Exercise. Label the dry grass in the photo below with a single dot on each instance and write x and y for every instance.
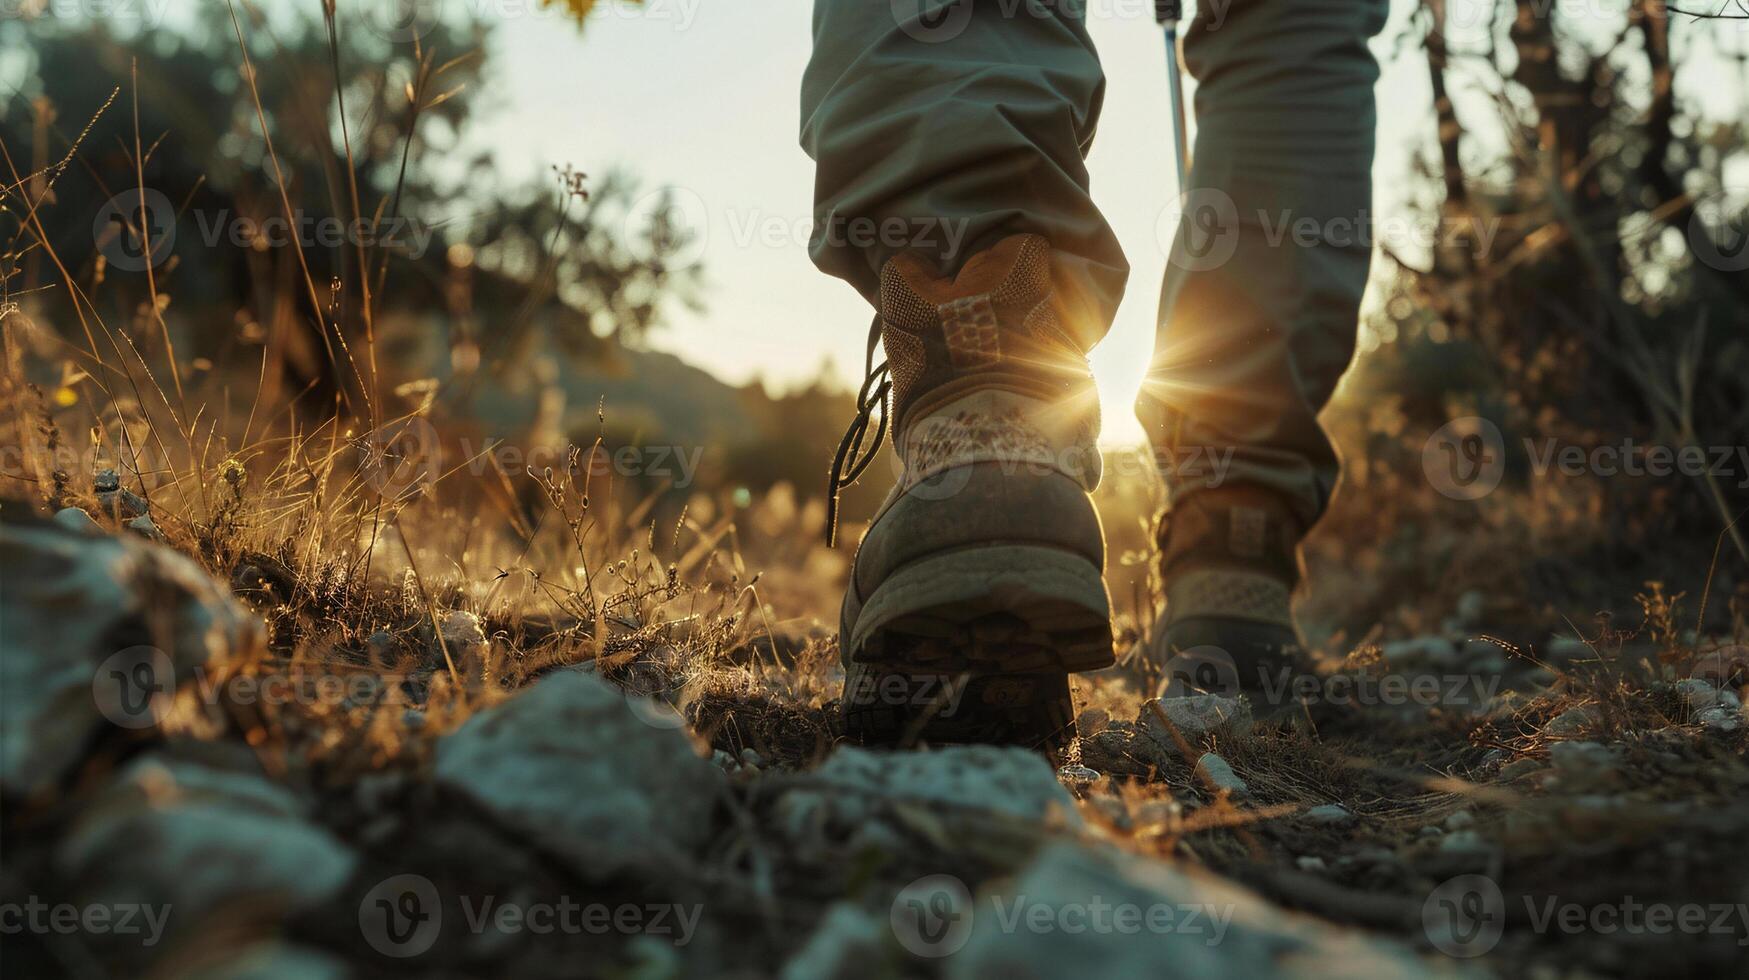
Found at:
(727, 611)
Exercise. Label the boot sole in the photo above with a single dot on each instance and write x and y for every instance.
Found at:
(1034, 711)
(1002, 625)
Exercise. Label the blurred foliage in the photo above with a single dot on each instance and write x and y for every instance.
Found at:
(1606, 298)
(346, 118)
(1587, 287)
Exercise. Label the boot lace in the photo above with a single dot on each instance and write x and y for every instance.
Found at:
(852, 457)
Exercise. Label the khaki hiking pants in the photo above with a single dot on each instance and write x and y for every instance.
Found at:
(946, 125)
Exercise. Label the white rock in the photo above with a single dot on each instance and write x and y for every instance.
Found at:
(1217, 772)
(1464, 842)
(1078, 778)
(1722, 718)
(143, 526)
(1701, 695)
(1330, 815)
(75, 519)
(572, 764)
(464, 636)
(98, 632)
(202, 841)
(1234, 933)
(1196, 717)
(962, 780)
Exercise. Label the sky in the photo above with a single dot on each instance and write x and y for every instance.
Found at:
(703, 97)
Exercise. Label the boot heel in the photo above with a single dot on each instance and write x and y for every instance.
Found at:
(988, 609)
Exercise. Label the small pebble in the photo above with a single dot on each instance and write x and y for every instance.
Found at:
(1196, 717)
(1216, 771)
(1581, 757)
(1519, 767)
(143, 526)
(1078, 776)
(1721, 719)
(1330, 814)
(1471, 607)
(1573, 721)
(1464, 842)
(77, 519)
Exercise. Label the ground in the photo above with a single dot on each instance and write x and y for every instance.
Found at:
(347, 748)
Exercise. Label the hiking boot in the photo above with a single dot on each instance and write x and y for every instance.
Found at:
(1228, 570)
(978, 587)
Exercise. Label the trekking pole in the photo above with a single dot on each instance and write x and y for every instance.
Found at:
(1168, 13)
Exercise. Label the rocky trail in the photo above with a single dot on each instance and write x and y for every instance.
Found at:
(189, 794)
